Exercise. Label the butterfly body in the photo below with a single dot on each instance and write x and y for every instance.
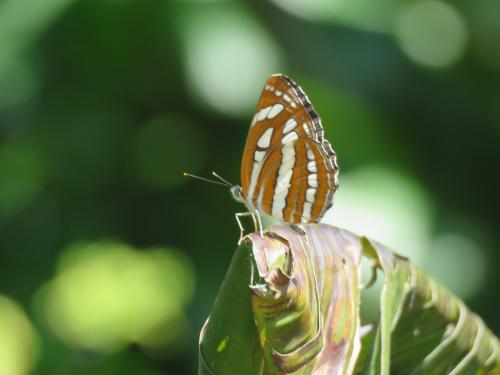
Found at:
(289, 170)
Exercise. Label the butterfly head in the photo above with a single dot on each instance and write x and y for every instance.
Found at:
(237, 193)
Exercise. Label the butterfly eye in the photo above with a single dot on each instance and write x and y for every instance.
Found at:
(237, 193)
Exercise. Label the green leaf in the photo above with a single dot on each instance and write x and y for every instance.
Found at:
(425, 329)
(228, 340)
(290, 303)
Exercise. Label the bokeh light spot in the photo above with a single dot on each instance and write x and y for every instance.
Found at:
(19, 345)
(108, 294)
(452, 257)
(385, 206)
(164, 148)
(228, 58)
(308, 9)
(431, 33)
(361, 14)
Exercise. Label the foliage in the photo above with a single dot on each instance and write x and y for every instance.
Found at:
(291, 303)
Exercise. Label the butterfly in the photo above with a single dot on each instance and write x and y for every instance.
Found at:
(289, 170)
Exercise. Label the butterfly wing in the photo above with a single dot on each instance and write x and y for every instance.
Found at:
(289, 171)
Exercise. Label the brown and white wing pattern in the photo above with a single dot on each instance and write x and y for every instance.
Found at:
(289, 170)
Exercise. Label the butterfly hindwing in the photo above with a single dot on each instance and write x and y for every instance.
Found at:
(299, 189)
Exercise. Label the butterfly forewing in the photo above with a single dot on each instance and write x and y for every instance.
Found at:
(289, 170)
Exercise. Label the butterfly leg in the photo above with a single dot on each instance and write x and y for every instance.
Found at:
(238, 216)
(258, 223)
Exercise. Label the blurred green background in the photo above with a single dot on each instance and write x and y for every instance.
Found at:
(110, 259)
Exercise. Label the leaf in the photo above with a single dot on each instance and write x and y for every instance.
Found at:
(290, 303)
(308, 320)
(425, 329)
(228, 340)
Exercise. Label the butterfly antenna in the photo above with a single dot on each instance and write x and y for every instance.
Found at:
(203, 179)
(222, 179)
